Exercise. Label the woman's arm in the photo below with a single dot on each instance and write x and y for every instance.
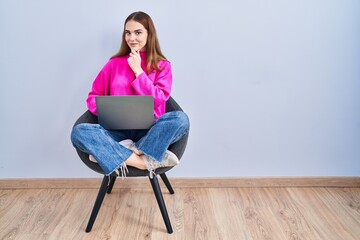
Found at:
(160, 88)
(100, 87)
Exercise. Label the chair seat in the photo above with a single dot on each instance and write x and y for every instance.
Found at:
(177, 148)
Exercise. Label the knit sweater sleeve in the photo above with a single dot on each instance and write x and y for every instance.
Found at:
(100, 87)
(159, 88)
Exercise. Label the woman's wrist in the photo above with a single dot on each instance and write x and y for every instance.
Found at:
(137, 73)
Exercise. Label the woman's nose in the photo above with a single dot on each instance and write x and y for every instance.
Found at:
(132, 37)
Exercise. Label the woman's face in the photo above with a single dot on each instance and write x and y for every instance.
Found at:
(135, 35)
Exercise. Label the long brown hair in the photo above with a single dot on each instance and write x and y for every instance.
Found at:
(153, 51)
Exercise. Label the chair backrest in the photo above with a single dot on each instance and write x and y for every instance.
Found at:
(172, 105)
(177, 148)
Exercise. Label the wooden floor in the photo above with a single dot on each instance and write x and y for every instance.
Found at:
(196, 213)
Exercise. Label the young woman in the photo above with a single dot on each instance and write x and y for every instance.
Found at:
(139, 68)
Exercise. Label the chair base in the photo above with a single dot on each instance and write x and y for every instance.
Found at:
(98, 202)
(159, 197)
(107, 186)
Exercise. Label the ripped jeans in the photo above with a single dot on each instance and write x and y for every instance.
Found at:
(104, 144)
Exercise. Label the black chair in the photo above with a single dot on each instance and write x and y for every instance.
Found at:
(108, 182)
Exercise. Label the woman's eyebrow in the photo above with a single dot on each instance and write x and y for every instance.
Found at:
(136, 30)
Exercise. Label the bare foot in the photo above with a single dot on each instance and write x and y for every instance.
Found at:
(135, 150)
(136, 161)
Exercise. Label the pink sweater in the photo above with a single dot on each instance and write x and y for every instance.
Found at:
(117, 78)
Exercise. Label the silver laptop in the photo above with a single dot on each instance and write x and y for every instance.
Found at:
(125, 112)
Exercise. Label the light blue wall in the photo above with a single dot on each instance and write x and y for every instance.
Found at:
(272, 88)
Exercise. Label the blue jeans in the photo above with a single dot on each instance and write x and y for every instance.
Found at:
(110, 155)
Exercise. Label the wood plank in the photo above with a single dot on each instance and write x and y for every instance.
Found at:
(345, 206)
(320, 216)
(94, 183)
(260, 221)
(199, 215)
(228, 214)
(288, 214)
(195, 213)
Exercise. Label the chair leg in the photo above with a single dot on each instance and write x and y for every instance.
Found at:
(111, 184)
(159, 197)
(98, 202)
(167, 183)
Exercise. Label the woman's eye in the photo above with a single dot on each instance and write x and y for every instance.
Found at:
(137, 33)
